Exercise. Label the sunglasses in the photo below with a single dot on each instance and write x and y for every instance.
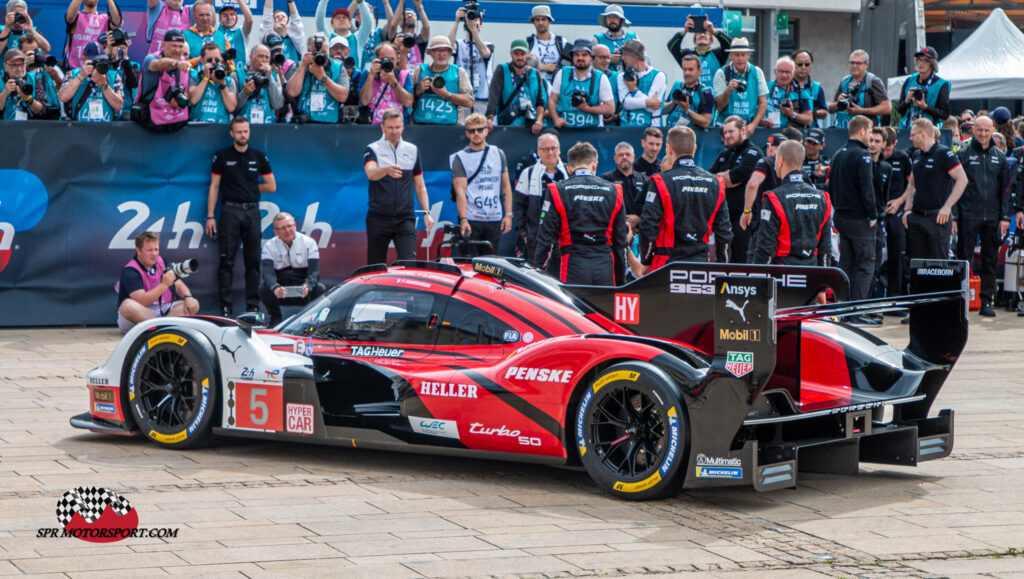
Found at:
(476, 130)
(803, 64)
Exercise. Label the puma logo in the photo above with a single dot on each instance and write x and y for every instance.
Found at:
(230, 351)
(729, 304)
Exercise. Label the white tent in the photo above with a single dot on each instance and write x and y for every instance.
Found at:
(987, 65)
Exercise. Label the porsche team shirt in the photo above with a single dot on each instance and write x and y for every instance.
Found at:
(392, 198)
(240, 173)
(932, 182)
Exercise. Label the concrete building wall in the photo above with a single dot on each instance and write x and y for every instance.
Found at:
(827, 36)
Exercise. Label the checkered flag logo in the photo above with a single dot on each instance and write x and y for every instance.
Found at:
(90, 502)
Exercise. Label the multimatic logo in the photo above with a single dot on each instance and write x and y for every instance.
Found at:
(718, 467)
(97, 515)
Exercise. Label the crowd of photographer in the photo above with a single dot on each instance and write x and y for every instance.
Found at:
(356, 66)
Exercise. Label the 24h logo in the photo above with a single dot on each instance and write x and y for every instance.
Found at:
(739, 364)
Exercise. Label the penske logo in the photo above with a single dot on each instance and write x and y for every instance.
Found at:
(538, 374)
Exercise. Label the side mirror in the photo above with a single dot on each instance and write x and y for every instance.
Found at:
(249, 320)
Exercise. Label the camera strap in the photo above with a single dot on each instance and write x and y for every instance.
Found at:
(81, 102)
(516, 87)
(483, 160)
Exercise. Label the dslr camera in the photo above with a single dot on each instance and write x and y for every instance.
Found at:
(40, 58)
(917, 94)
(579, 98)
(277, 55)
(320, 58)
(408, 40)
(101, 66)
(259, 80)
(741, 85)
(680, 95)
(472, 10)
(629, 75)
(118, 37)
(176, 94)
(19, 18)
(846, 99)
(388, 65)
(184, 268)
(349, 62)
(437, 82)
(218, 71)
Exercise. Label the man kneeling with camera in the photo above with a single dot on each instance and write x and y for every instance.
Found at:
(148, 289)
(289, 268)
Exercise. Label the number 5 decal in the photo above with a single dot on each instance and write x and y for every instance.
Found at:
(260, 406)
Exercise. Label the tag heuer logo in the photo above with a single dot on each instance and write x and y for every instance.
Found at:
(739, 364)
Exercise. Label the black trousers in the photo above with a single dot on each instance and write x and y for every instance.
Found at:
(896, 242)
(381, 232)
(857, 254)
(740, 241)
(489, 231)
(273, 304)
(588, 268)
(968, 231)
(926, 239)
(236, 226)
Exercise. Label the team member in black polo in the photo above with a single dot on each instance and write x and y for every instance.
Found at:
(633, 182)
(851, 187)
(237, 171)
(895, 232)
(734, 166)
(936, 184)
(584, 216)
(393, 168)
(796, 226)
(982, 211)
(816, 162)
(683, 206)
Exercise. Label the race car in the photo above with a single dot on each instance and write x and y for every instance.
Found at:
(695, 375)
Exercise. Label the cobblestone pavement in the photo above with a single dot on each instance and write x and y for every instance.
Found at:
(257, 508)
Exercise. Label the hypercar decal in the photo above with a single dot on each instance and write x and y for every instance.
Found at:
(518, 403)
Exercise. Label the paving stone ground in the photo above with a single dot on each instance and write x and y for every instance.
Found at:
(275, 509)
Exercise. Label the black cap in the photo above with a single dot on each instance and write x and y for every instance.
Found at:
(776, 139)
(174, 35)
(816, 136)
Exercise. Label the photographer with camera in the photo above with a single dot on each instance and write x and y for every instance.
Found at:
(689, 102)
(149, 289)
(18, 99)
(341, 27)
(84, 25)
(319, 83)
(46, 69)
(588, 93)
(551, 50)
(391, 87)
(860, 93)
(704, 34)
(18, 22)
(412, 42)
(641, 88)
(924, 94)
(237, 171)
(483, 193)
(212, 90)
(440, 87)
(91, 91)
(288, 26)
(163, 103)
(787, 103)
(614, 21)
(289, 268)
(203, 32)
(262, 95)
(128, 73)
(518, 93)
(472, 54)
(740, 88)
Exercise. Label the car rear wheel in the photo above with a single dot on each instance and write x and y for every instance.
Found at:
(631, 432)
(172, 388)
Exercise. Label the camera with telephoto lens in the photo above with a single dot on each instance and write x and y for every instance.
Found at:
(578, 98)
(184, 268)
(19, 18)
(101, 66)
(349, 62)
(472, 10)
(39, 58)
(277, 56)
(320, 58)
(917, 94)
(438, 82)
(24, 88)
(846, 99)
(218, 71)
(176, 94)
(680, 95)
(408, 40)
(388, 65)
(629, 75)
(259, 80)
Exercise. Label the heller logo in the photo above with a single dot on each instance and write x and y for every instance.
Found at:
(739, 364)
(627, 308)
(97, 515)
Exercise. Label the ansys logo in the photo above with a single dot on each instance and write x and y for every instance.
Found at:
(23, 202)
(97, 515)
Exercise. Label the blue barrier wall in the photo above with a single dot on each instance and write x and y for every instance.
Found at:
(74, 195)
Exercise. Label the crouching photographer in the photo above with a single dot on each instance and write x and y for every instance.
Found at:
(262, 94)
(289, 268)
(319, 83)
(163, 104)
(149, 289)
(22, 97)
(91, 91)
(391, 87)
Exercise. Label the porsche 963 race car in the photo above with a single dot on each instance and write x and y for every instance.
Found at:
(696, 375)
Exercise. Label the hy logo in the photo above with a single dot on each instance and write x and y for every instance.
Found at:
(23, 201)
